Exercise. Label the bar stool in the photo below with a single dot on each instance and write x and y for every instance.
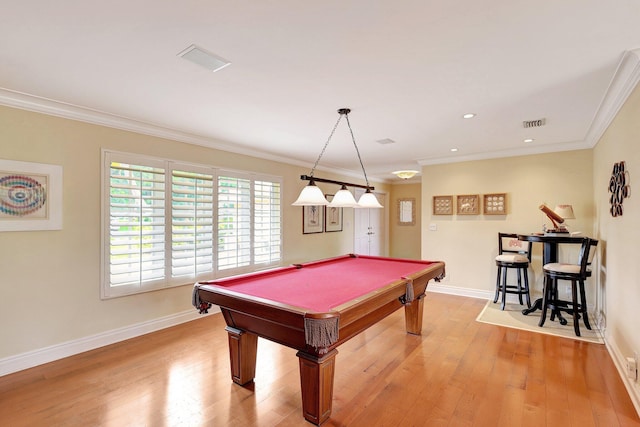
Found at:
(577, 274)
(516, 254)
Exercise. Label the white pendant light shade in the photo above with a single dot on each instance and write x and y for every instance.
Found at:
(343, 199)
(311, 195)
(368, 200)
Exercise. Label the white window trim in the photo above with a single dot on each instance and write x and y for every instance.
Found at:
(107, 291)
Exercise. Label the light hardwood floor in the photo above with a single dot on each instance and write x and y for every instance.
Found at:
(458, 373)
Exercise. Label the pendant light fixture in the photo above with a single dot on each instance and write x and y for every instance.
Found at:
(311, 195)
(405, 174)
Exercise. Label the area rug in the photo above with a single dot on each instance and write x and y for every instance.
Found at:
(512, 317)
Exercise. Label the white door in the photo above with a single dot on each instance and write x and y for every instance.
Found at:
(369, 230)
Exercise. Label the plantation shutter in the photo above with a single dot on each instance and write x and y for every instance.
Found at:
(191, 223)
(136, 223)
(234, 222)
(267, 222)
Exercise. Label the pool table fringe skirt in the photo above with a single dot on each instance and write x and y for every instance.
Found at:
(321, 333)
(409, 296)
(202, 306)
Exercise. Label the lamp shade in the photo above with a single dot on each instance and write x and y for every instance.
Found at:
(368, 200)
(565, 211)
(311, 195)
(343, 199)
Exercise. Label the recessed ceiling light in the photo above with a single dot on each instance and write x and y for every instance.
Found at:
(453, 150)
(528, 140)
(386, 141)
(469, 116)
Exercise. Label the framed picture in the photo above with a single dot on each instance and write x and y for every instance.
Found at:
(468, 204)
(312, 219)
(30, 196)
(443, 205)
(495, 204)
(407, 211)
(332, 217)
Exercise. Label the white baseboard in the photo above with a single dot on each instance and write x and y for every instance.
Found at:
(455, 290)
(59, 351)
(619, 359)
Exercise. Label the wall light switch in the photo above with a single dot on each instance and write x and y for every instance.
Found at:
(433, 227)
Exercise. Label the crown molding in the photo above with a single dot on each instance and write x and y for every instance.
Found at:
(51, 107)
(624, 81)
(515, 152)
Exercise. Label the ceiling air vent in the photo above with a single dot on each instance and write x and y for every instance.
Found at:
(533, 123)
(203, 58)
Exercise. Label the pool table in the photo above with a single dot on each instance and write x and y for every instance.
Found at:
(314, 307)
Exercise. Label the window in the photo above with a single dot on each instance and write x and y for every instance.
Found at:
(169, 224)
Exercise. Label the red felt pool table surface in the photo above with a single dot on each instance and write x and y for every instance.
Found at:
(315, 307)
(323, 285)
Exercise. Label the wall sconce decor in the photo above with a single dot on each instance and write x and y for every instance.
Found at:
(619, 187)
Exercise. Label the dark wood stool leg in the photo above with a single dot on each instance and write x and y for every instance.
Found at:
(575, 307)
(526, 287)
(495, 298)
(583, 306)
(545, 300)
(519, 285)
(553, 297)
(504, 287)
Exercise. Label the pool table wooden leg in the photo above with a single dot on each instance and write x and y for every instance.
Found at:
(243, 348)
(413, 315)
(316, 381)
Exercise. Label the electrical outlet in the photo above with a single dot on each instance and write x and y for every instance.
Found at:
(632, 367)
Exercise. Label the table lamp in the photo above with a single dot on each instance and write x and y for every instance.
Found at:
(566, 212)
(556, 220)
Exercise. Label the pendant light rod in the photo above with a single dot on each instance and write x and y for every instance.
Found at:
(331, 181)
(345, 112)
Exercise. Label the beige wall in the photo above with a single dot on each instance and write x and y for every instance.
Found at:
(49, 280)
(469, 243)
(620, 274)
(404, 239)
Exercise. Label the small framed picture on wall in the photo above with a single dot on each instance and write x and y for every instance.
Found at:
(332, 217)
(312, 219)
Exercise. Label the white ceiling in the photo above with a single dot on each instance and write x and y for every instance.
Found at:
(408, 69)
